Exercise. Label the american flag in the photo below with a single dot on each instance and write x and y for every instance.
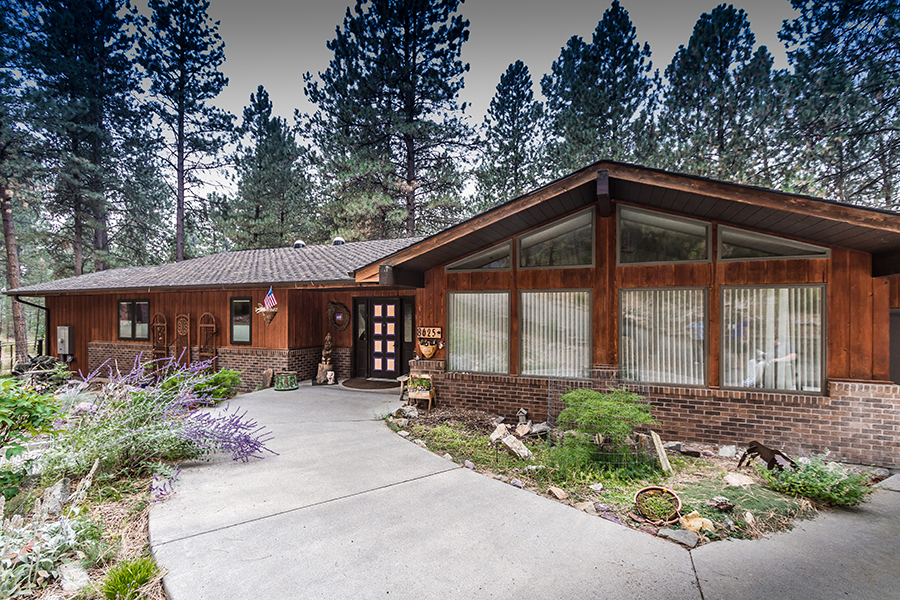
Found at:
(270, 300)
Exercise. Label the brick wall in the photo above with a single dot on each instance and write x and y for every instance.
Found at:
(855, 422)
(116, 356)
(342, 360)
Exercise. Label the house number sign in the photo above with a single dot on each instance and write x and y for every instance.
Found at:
(428, 333)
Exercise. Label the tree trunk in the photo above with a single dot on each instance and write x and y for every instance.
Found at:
(179, 208)
(411, 186)
(12, 272)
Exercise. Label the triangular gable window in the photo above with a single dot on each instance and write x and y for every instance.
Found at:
(495, 258)
(739, 244)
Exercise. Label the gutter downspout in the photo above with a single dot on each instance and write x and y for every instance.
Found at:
(46, 322)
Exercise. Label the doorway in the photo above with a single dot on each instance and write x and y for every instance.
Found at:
(383, 339)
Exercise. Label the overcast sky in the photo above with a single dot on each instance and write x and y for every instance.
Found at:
(274, 42)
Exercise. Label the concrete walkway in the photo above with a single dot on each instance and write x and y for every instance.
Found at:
(349, 509)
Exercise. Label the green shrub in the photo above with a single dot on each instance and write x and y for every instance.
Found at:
(222, 385)
(821, 481)
(614, 415)
(23, 414)
(125, 579)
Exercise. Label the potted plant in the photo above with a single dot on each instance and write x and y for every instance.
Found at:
(657, 504)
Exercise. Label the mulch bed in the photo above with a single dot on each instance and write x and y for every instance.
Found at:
(473, 419)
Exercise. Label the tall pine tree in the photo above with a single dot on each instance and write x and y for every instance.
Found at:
(844, 96)
(389, 130)
(509, 157)
(719, 100)
(595, 92)
(270, 208)
(182, 53)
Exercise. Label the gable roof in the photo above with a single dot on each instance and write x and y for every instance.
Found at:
(274, 266)
(827, 222)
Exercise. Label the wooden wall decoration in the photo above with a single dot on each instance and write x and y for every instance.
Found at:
(159, 336)
(338, 315)
(206, 337)
(183, 339)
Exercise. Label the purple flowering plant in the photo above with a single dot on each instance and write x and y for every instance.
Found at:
(156, 412)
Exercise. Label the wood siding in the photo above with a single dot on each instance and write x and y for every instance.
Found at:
(856, 306)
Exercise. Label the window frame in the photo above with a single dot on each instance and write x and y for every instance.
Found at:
(619, 221)
(509, 324)
(231, 302)
(823, 389)
(726, 228)
(590, 328)
(593, 212)
(706, 335)
(133, 303)
(451, 267)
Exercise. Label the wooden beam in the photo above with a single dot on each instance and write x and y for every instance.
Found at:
(759, 197)
(395, 276)
(885, 264)
(603, 200)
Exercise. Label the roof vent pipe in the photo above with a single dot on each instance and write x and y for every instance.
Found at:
(338, 241)
(299, 244)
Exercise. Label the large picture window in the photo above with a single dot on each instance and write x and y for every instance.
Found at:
(478, 339)
(663, 335)
(568, 242)
(555, 328)
(134, 319)
(241, 321)
(773, 338)
(651, 237)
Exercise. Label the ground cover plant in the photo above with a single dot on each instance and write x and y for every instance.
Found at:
(119, 439)
(568, 462)
(821, 481)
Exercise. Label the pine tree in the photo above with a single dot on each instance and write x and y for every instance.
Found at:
(719, 100)
(509, 157)
(388, 128)
(14, 162)
(844, 112)
(269, 210)
(596, 91)
(182, 53)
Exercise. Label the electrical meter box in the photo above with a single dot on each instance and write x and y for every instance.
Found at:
(65, 339)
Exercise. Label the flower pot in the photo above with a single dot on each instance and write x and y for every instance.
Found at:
(651, 501)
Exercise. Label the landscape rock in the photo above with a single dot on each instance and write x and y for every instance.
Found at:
(531, 468)
(523, 429)
(73, 577)
(612, 518)
(707, 453)
(728, 451)
(694, 522)
(517, 483)
(500, 432)
(403, 433)
(469, 465)
(420, 443)
(602, 508)
(401, 422)
(660, 452)
(720, 503)
(516, 447)
(56, 496)
(690, 451)
(83, 408)
(448, 457)
(673, 446)
(540, 428)
(409, 412)
(748, 518)
(648, 529)
(738, 479)
(682, 536)
(597, 487)
(558, 493)
(587, 507)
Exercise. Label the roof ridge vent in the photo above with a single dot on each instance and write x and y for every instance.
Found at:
(299, 244)
(338, 241)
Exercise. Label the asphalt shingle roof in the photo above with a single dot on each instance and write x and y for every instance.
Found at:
(273, 266)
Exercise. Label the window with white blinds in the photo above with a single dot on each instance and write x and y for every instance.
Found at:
(478, 339)
(772, 338)
(663, 335)
(555, 328)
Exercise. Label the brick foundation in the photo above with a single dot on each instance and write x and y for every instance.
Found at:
(856, 422)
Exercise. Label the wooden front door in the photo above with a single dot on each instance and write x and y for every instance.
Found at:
(385, 338)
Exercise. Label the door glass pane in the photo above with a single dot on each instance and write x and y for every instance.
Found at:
(361, 322)
(408, 323)
(390, 329)
(390, 310)
(376, 346)
(390, 347)
(390, 364)
(376, 310)
(376, 364)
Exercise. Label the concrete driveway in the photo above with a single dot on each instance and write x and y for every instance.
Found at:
(348, 509)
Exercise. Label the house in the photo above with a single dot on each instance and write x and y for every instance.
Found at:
(740, 312)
